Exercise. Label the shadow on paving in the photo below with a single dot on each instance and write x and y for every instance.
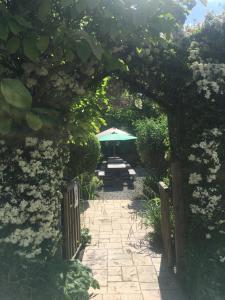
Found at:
(168, 283)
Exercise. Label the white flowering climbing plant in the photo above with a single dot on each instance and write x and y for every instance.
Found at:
(31, 181)
(206, 192)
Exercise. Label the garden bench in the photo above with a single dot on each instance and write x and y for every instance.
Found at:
(101, 173)
(132, 173)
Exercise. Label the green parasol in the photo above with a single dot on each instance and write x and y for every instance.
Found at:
(114, 134)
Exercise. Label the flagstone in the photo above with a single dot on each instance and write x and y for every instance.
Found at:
(115, 278)
(114, 271)
(101, 277)
(120, 257)
(129, 273)
(132, 297)
(147, 274)
(123, 287)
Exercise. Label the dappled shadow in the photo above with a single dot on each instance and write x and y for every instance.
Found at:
(113, 187)
(151, 245)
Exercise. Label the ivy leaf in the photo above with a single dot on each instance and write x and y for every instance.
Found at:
(5, 125)
(4, 30)
(30, 50)
(83, 51)
(15, 93)
(14, 27)
(42, 43)
(44, 10)
(13, 44)
(34, 121)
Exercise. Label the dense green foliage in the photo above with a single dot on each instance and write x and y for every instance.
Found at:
(126, 110)
(152, 217)
(89, 186)
(41, 280)
(84, 157)
(54, 51)
(152, 209)
(54, 55)
(151, 143)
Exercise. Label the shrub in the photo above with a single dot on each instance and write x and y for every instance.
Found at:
(153, 215)
(89, 185)
(150, 187)
(84, 157)
(152, 207)
(151, 137)
(85, 237)
(41, 280)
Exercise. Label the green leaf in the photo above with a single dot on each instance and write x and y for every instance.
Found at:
(44, 10)
(5, 125)
(14, 27)
(42, 43)
(69, 55)
(34, 121)
(15, 93)
(22, 21)
(30, 50)
(83, 51)
(13, 44)
(4, 30)
(95, 46)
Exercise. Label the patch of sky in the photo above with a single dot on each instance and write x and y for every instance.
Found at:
(200, 11)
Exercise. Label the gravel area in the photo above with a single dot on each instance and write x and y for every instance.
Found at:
(124, 192)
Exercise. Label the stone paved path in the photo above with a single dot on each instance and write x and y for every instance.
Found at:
(119, 255)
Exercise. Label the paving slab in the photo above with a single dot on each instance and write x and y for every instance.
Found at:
(120, 257)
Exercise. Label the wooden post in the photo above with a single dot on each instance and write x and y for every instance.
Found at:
(71, 221)
(165, 223)
(179, 210)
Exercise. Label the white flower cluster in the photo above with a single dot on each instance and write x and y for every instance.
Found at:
(206, 193)
(209, 77)
(62, 82)
(30, 188)
(32, 72)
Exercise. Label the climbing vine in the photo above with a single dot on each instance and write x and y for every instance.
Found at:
(31, 193)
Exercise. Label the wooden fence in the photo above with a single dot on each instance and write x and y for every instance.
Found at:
(71, 221)
(165, 223)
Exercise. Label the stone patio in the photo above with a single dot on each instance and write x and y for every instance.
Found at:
(120, 257)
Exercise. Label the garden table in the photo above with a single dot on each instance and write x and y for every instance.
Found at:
(116, 166)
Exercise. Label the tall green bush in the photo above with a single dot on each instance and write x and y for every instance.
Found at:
(151, 137)
(84, 157)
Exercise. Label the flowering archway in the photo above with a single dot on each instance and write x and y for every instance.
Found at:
(54, 56)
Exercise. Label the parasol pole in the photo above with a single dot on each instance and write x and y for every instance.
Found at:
(114, 149)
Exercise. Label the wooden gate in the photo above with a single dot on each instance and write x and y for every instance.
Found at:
(71, 220)
(179, 208)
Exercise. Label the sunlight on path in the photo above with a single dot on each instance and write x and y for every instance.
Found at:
(119, 256)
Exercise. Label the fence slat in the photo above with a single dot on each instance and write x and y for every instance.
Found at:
(71, 220)
(165, 223)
